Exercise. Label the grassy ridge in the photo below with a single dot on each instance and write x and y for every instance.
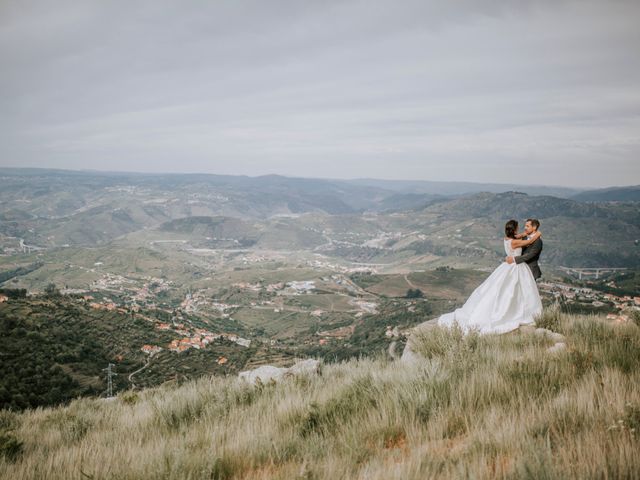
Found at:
(475, 407)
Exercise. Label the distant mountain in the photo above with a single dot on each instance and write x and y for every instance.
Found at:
(460, 188)
(409, 201)
(614, 194)
(360, 220)
(575, 233)
(516, 205)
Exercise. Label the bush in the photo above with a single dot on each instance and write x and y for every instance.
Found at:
(450, 343)
(414, 293)
(129, 397)
(10, 446)
(550, 318)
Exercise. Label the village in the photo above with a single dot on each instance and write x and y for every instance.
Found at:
(139, 296)
(572, 294)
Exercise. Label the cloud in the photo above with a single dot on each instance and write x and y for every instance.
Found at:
(476, 91)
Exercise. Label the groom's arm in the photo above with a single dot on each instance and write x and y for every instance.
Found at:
(534, 249)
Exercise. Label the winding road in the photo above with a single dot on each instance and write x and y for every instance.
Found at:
(133, 385)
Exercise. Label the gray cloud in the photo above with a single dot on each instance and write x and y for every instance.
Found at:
(528, 92)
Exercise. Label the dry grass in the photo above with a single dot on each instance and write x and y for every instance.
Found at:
(476, 407)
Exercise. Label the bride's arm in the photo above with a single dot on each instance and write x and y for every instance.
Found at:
(524, 243)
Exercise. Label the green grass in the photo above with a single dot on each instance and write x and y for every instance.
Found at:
(452, 284)
(474, 407)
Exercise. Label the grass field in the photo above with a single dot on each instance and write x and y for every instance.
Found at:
(473, 407)
(449, 284)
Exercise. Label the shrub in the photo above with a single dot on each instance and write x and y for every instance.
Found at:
(355, 397)
(550, 318)
(632, 417)
(450, 345)
(8, 420)
(417, 293)
(10, 446)
(129, 397)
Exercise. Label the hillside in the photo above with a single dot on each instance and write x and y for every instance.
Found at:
(615, 194)
(55, 348)
(575, 233)
(460, 188)
(373, 222)
(473, 407)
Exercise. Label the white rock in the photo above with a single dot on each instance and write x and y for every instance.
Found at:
(541, 332)
(555, 336)
(308, 366)
(527, 328)
(557, 347)
(408, 355)
(266, 373)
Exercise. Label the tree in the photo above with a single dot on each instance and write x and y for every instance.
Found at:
(417, 293)
(51, 289)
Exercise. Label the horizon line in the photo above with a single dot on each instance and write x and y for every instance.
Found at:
(399, 180)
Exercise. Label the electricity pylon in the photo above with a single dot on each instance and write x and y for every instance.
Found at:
(110, 374)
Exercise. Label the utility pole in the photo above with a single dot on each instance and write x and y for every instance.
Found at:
(110, 374)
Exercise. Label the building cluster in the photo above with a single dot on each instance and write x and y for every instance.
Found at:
(579, 294)
(136, 295)
(253, 258)
(298, 287)
(325, 265)
(151, 349)
(364, 306)
(200, 338)
(194, 302)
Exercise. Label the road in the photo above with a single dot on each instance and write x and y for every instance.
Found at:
(133, 385)
(409, 282)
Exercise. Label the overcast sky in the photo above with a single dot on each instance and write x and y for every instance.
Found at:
(528, 92)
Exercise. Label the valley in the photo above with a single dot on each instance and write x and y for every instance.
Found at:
(215, 275)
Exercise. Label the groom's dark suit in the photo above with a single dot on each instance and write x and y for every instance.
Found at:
(531, 254)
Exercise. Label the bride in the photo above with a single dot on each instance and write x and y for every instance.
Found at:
(507, 299)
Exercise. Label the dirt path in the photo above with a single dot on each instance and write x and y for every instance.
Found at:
(409, 282)
(133, 385)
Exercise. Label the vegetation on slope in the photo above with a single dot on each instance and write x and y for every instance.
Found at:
(54, 349)
(475, 407)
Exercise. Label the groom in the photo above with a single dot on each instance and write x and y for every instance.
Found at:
(530, 253)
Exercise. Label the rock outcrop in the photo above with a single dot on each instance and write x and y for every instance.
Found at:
(408, 354)
(266, 373)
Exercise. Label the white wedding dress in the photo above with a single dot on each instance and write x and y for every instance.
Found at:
(507, 299)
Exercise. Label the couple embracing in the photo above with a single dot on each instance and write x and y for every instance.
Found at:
(509, 297)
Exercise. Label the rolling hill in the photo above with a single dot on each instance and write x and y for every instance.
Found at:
(470, 407)
(615, 194)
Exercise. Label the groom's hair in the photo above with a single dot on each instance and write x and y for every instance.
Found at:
(535, 222)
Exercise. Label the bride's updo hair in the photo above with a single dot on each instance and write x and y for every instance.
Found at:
(510, 229)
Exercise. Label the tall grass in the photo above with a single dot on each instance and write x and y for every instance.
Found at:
(475, 407)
